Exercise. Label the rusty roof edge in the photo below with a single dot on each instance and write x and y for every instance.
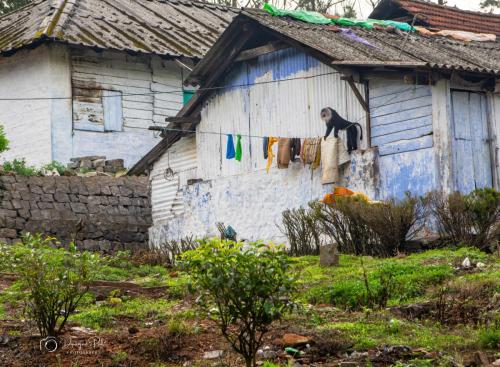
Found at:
(448, 8)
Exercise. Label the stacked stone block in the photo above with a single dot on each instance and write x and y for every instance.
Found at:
(97, 164)
(100, 213)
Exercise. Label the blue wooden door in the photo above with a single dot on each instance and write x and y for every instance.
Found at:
(471, 143)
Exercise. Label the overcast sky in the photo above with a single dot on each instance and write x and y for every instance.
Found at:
(363, 7)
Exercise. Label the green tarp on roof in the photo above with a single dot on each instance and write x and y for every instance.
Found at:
(318, 18)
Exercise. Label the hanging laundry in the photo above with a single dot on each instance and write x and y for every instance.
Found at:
(284, 148)
(265, 145)
(333, 155)
(311, 152)
(238, 148)
(270, 154)
(294, 149)
(230, 153)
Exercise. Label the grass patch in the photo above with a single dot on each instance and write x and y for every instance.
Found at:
(490, 338)
(410, 276)
(380, 329)
(104, 315)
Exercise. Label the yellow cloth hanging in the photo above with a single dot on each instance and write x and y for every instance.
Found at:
(270, 154)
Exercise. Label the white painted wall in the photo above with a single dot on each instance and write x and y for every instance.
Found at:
(27, 74)
(49, 129)
(242, 194)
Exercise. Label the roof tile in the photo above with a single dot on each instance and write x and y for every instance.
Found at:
(441, 16)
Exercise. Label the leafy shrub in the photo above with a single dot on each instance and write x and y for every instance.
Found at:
(4, 143)
(378, 229)
(19, 167)
(249, 285)
(471, 219)
(54, 279)
(55, 165)
(302, 232)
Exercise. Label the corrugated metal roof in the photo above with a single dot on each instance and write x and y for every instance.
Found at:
(438, 16)
(164, 27)
(393, 48)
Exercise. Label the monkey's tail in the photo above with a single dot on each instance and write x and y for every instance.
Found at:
(360, 130)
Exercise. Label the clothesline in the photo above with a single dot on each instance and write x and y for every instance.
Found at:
(221, 133)
(174, 91)
(265, 136)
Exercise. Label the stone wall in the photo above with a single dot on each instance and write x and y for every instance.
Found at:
(102, 213)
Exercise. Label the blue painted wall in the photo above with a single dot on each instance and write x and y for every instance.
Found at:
(401, 120)
(283, 64)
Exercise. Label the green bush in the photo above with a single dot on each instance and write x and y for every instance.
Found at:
(249, 285)
(19, 167)
(53, 279)
(55, 165)
(470, 219)
(4, 143)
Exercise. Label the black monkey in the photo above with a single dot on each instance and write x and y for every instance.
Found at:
(333, 120)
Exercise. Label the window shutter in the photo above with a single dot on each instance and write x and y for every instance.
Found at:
(113, 113)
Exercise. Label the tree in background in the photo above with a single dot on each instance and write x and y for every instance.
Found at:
(346, 7)
(7, 6)
(490, 5)
(4, 143)
(349, 11)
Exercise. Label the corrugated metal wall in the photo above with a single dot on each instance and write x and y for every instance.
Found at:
(166, 196)
(287, 108)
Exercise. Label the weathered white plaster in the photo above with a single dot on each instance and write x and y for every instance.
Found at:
(60, 108)
(43, 130)
(252, 203)
(27, 75)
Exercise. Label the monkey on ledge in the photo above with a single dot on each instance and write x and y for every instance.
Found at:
(333, 120)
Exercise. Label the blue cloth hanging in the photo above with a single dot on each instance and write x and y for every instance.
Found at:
(230, 152)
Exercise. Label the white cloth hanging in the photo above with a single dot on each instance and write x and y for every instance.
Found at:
(333, 155)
